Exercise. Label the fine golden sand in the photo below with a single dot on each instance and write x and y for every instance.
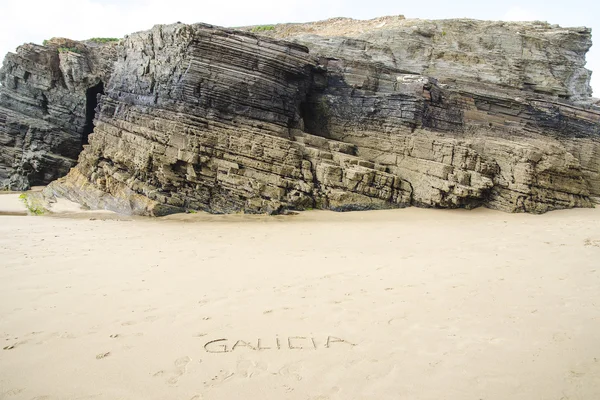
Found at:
(402, 304)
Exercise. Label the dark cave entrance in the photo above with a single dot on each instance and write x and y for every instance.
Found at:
(313, 112)
(91, 102)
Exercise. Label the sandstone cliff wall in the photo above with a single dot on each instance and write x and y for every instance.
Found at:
(342, 115)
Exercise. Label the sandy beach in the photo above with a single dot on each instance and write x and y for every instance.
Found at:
(401, 304)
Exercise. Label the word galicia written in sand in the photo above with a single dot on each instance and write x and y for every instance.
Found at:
(291, 342)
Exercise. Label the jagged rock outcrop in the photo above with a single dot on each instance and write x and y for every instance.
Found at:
(45, 108)
(344, 115)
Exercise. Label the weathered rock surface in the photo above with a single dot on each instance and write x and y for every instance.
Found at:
(43, 99)
(530, 56)
(342, 115)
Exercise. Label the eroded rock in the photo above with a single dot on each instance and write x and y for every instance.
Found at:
(341, 115)
(45, 100)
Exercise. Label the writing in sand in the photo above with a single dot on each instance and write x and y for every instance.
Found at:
(290, 342)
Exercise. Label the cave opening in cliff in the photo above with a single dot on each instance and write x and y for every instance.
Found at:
(91, 97)
(314, 115)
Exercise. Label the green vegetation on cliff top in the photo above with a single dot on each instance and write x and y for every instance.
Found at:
(103, 39)
(261, 28)
(95, 40)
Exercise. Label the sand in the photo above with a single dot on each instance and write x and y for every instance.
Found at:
(402, 304)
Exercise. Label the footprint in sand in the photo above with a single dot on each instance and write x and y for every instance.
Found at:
(288, 388)
(291, 370)
(67, 335)
(102, 355)
(12, 346)
(180, 369)
(12, 392)
(221, 377)
(248, 369)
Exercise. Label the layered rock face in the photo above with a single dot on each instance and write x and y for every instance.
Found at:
(45, 114)
(530, 56)
(508, 123)
(344, 115)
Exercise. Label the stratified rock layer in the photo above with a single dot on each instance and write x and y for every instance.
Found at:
(530, 56)
(344, 115)
(43, 99)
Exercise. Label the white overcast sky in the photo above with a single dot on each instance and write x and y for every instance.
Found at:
(35, 20)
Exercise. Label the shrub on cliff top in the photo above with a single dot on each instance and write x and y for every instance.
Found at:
(103, 39)
(262, 28)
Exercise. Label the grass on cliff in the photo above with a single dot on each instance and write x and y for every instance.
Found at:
(103, 39)
(46, 42)
(30, 204)
(262, 28)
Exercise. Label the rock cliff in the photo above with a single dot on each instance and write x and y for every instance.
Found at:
(47, 99)
(340, 114)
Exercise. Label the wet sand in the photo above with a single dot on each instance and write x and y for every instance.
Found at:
(402, 304)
